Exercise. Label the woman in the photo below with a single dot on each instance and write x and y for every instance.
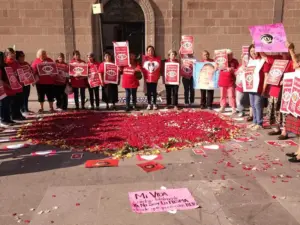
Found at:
(78, 83)
(256, 98)
(5, 103)
(60, 82)
(172, 90)
(151, 68)
(20, 56)
(130, 81)
(45, 83)
(207, 96)
(189, 91)
(227, 83)
(94, 92)
(109, 91)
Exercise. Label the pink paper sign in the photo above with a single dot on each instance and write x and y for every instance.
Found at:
(162, 200)
(269, 37)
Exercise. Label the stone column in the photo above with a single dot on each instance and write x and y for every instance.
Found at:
(278, 11)
(176, 23)
(68, 27)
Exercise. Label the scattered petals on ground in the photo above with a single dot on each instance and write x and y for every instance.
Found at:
(112, 131)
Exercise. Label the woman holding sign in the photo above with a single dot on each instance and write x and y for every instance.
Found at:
(44, 68)
(110, 76)
(94, 81)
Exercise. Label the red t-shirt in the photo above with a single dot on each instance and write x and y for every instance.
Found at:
(128, 78)
(14, 65)
(227, 78)
(45, 79)
(78, 82)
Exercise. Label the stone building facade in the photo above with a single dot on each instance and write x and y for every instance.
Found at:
(65, 25)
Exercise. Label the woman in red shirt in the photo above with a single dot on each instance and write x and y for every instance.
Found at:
(94, 92)
(78, 82)
(45, 84)
(60, 82)
(17, 100)
(207, 96)
(109, 91)
(130, 81)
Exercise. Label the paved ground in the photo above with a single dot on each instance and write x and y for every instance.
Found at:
(268, 194)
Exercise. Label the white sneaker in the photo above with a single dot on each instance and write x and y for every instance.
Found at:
(251, 125)
(149, 107)
(155, 107)
(257, 127)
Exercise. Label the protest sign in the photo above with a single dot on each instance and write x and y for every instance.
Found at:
(151, 68)
(111, 75)
(245, 55)
(186, 68)
(172, 73)
(287, 87)
(121, 53)
(221, 59)
(204, 74)
(47, 68)
(252, 78)
(78, 69)
(12, 78)
(187, 45)
(276, 71)
(294, 103)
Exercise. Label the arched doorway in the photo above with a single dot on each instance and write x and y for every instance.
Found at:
(123, 20)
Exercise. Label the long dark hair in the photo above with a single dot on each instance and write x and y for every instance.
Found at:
(249, 49)
(2, 67)
(19, 54)
(151, 46)
(8, 50)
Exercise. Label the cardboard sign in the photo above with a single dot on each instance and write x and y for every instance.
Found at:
(2, 91)
(269, 38)
(187, 45)
(161, 200)
(245, 55)
(221, 59)
(151, 68)
(94, 78)
(78, 69)
(287, 87)
(294, 104)
(62, 75)
(205, 75)
(186, 68)
(172, 73)
(252, 78)
(101, 163)
(240, 76)
(47, 69)
(151, 166)
(121, 53)
(111, 73)
(25, 75)
(12, 78)
(277, 71)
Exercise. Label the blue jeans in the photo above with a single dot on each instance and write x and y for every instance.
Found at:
(256, 105)
(130, 92)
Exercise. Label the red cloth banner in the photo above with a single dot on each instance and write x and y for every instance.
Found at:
(62, 75)
(78, 69)
(186, 69)
(294, 104)
(111, 75)
(47, 68)
(187, 45)
(26, 76)
(221, 59)
(94, 78)
(2, 91)
(287, 87)
(151, 68)
(276, 71)
(172, 73)
(249, 77)
(13, 81)
(121, 53)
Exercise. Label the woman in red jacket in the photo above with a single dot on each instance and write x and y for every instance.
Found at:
(45, 83)
(130, 81)
(93, 91)
(60, 82)
(78, 82)
(17, 100)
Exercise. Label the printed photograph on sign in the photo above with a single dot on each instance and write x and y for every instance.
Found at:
(186, 68)
(151, 68)
(172, 73)
(78, 69)
(221, 59)
(13, 81)
(276, 71)
(187, 45)
(269, 37)
(161, 200)
(121, 53)
(47, 68)
(205, 75)
(111, 73)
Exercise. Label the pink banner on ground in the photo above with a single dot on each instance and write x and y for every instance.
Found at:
(277, 71)
(187, 45)
(121, 53)
(269, 37)
(47, 68)
(172, 73)
(2, 91)
(94, 78)
(221, 59)
(288, 80)
(111, 75)
(161, 200)
(294, 104)
(78, 69)
(186, 69)
(13, 81)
